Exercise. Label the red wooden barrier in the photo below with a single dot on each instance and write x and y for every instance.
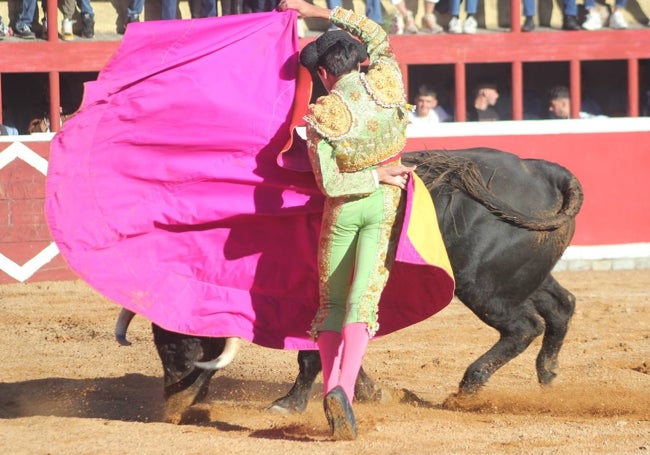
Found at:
(609, 156)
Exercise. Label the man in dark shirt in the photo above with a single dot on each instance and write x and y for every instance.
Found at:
(485, 97)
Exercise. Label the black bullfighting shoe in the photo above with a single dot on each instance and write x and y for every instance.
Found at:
(339, 415)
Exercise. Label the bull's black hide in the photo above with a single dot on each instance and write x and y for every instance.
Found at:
(505, 222)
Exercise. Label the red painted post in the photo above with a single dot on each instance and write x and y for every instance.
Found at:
(52, 21)
(515, 15)
(517, 91)
(55, 101)
(575, 87)
(460, 92)
(633, 87)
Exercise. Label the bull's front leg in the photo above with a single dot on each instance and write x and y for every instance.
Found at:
(184, 382)
(309, 366)
(296, 400)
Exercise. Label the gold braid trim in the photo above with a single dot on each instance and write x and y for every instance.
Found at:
(384, 84)
(330, 116)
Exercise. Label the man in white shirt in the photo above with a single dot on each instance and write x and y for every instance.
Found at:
(427, 110)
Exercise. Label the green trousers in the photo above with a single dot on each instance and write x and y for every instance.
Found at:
(357, 248)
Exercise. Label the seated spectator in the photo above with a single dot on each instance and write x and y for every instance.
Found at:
(485, 97)
(595, 22)
(427, 110)
(68, 9)
(559, 105)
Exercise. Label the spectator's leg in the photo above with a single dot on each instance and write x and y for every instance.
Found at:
(570, 12)
(236, 6)
(616, 19)
(169, 8)
(23, 27)
(87, 18)
(529, 13)
(208, 8)
(471, 6)
(529, 8)
(429, 21)
(373, 11)
(134, 10)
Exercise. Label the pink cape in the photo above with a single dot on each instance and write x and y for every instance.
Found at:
(165, 195)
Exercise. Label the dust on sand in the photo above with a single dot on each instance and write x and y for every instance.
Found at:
(67, 387)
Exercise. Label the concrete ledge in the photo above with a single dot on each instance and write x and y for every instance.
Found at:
(633, 256)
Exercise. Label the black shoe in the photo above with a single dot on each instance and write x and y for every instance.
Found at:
(129, 20)
(24, 32)
(87, 26)
(339, 415)
(529, 25)
(570, 23)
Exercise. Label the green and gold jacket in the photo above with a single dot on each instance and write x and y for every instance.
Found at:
(362, 121)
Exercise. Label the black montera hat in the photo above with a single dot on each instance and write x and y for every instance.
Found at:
(316, 49)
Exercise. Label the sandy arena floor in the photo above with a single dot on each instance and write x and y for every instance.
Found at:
(66, 387)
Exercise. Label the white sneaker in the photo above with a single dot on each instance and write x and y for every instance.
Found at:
(454, 26)
(617, 21)
(470, 25)
(66, 29)
(593, 21)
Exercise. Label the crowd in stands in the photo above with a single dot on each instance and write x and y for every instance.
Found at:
(403, 20)
(485, 105)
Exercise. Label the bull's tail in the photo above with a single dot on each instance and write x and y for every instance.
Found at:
(463, 174)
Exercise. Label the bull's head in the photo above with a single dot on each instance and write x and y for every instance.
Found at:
(227, 355)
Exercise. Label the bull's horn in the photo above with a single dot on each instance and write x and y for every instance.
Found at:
(227, 356)
(122, 325)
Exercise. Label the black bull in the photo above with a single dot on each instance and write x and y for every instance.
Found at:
(505, 222)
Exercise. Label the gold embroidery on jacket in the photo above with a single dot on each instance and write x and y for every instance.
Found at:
(330, 116)
(384, 84)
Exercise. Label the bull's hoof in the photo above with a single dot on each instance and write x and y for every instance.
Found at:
(365, 390)
(191, 416)
(454, 401)
(288, 405)
(177, 407)
(546, 377)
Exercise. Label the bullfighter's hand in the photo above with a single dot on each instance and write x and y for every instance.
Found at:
(394, 175)
(305, 9)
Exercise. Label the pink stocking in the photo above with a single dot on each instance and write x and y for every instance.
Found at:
(329, 345)
(355, 340)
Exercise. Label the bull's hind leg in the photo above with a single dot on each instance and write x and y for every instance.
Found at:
(555, 304)
(518, 325)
